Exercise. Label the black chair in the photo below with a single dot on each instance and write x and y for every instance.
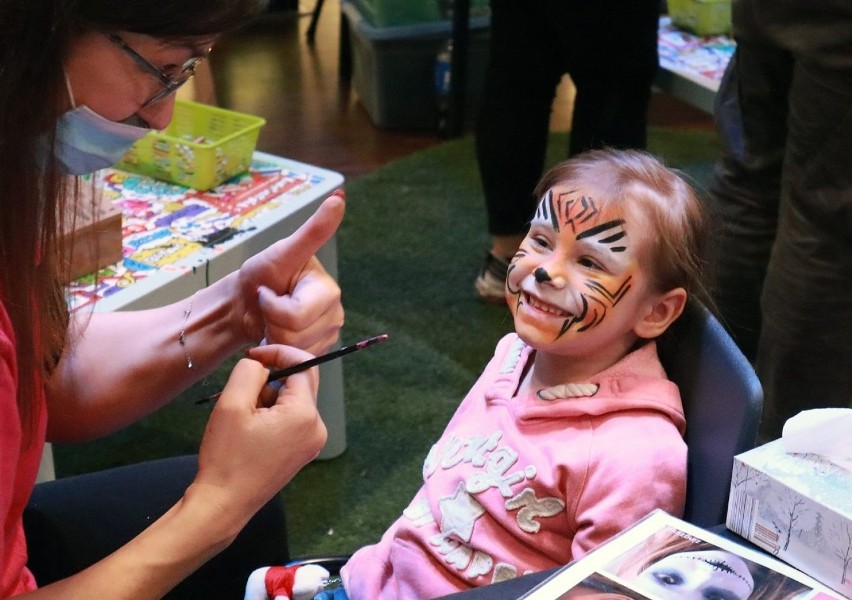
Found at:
(722, 400)
(73, 522)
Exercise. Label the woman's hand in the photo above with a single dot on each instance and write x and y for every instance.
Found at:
(256, 441)
(285, 295)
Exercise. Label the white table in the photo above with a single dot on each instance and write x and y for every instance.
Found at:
(170, 250)
(691, 66)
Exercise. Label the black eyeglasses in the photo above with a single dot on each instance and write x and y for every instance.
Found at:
(169, 81)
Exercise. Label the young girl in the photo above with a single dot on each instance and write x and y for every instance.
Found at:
(572, 432)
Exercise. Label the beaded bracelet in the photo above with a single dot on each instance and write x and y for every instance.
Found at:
(182, 332)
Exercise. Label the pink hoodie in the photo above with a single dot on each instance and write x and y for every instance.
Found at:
(517, 484)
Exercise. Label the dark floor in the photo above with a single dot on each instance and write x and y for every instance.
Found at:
(270, 70)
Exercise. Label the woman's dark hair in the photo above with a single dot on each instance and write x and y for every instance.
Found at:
(36, 200)
(167, 19)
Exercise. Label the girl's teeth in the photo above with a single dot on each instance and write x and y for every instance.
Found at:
(551, 310)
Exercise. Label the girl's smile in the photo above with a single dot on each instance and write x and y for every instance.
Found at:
(533, 303)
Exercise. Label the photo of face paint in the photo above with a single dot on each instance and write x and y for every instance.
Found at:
(671, 565)
(662, 557)
(700, 574)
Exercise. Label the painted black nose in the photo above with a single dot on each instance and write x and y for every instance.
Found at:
(541, 275)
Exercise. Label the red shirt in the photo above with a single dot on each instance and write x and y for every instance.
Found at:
(19, 462)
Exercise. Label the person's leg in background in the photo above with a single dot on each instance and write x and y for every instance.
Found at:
(805, 347)
(610, 50)
(751, 119)
(611, 54)
(512, 127)
(783, 190)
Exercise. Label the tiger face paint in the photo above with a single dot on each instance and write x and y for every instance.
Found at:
(576, 283)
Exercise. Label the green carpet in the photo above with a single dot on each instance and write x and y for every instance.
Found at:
(409, 249)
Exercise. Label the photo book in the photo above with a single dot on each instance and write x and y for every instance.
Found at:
(664, 558)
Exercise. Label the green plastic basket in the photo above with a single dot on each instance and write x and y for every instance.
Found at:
(703, 17)
(202, 147)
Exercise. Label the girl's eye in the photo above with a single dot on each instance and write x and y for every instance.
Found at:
(540, 242)
(590, 264)
(719, 594)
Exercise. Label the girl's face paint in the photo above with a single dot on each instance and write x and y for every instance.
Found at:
(575, 284)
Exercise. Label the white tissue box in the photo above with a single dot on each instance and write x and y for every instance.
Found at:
(798, 507)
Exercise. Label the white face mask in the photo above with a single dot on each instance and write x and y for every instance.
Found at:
(86, 141)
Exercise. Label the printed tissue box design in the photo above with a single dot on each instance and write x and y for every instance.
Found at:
(797, 507)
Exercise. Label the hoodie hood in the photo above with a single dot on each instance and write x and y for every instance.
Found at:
(635, 383)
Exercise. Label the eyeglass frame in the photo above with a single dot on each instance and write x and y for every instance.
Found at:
(169, 82)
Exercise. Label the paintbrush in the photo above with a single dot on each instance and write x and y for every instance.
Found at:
(304, 366)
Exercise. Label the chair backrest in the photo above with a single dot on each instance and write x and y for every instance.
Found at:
(722, 400)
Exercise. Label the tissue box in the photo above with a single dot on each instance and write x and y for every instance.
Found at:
(799, 508)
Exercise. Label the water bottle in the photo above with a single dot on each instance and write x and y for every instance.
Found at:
(443, 65)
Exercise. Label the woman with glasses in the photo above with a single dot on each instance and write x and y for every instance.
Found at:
(80, 81)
